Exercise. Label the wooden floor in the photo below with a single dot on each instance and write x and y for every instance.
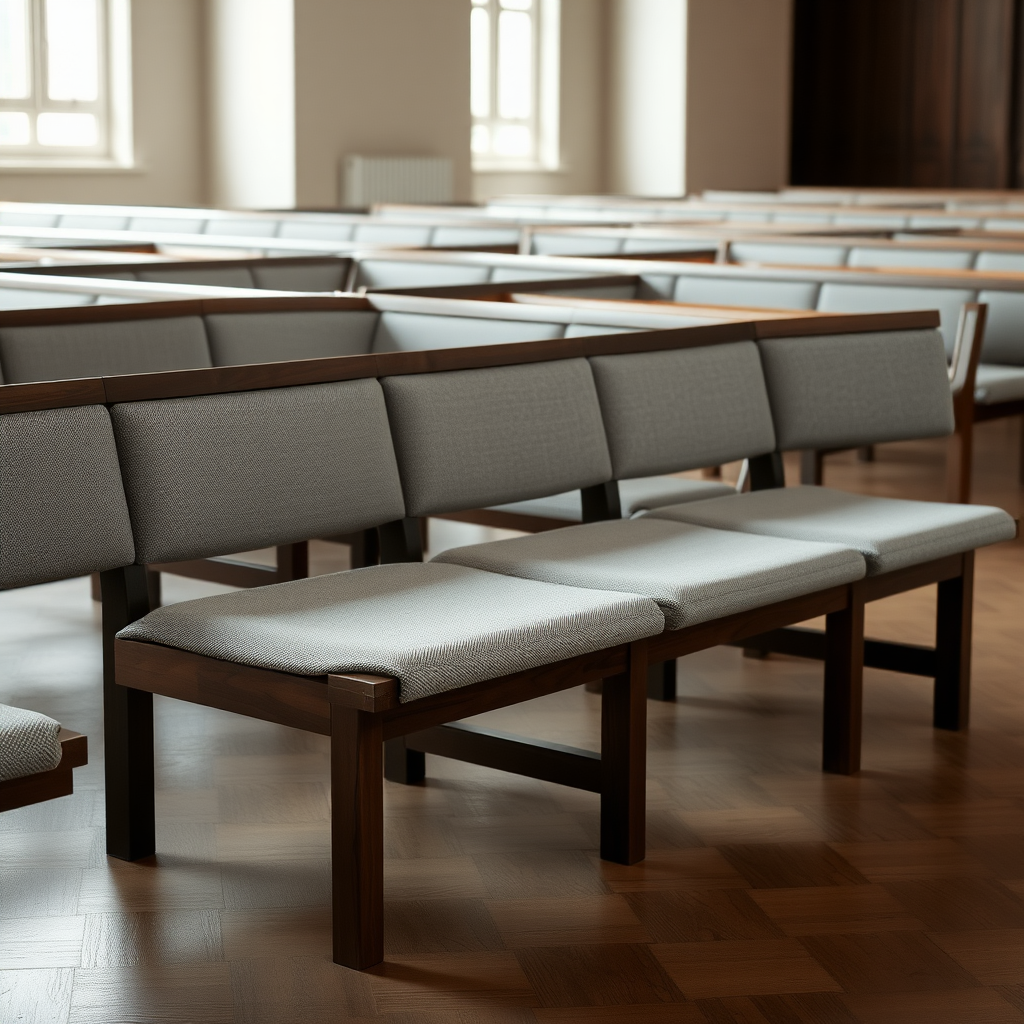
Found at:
(770, 894)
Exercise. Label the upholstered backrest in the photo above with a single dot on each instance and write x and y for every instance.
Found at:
(222, 473)
(38, 298)
(1011, 261)
(328, 276)
(559, 244)
(179, 225)
(879, 298)
(398, 274)
(64, 351)
(331, 231)
(893, 256)
(742, 291)
(1004, 327)
(669, 411)
(845, 390)
(69, 515)
(237, 338)
(401, 332)
(805, 255)
(471, 438)
(224, 277)
(451, 235)
(392, 234)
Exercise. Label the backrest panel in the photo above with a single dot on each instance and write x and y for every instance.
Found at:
(40, 298)
(404, 332)
(1004, 328)
(70, 516)
(396, 274)
(470, 438)
(224, 277)
(669, 411)
(893, 256)
(239, 338)
(64, 351)
(731, 291)
(842, 391)
(224, 473)
(1012, 261)
(805, 255)
(302, 277)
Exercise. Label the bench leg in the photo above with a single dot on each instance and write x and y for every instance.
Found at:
(357, 837)
(661, 681)
(812, 467)
(959, 460)
(402, 764)
(624, 762)
(953, 626)
(127, 726)
(844, 673)
(866, 454)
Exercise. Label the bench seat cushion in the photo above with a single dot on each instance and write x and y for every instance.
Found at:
(28, 743)
(694, 574)
(636, 496)
(995, 384)
(890, 533)
(434, 627)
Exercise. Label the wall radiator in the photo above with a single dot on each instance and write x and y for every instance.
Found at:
(366, 180)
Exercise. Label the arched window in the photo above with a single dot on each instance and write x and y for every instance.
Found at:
(514, 88)
(64, 82)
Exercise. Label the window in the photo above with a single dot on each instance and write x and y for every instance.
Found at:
(64, 81)
(514, 84)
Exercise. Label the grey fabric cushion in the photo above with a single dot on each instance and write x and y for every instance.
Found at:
(889, 532)
(847, 390)
(434, 627)
(392, 234)
(694, 574)
(332, 231)
(63, 512)
(224, 277)
(559, 244)
(996, 260)
(472, 438)
(449, 235)
(635, 496)
(301, 277)
(394, 273)
(667, 411)
(1004, 327)
(804, 255)
(28, 743)
(404, 332)
(877, 298)
(998, 384)
(238, 338)
(744, 291)
(894, 256)
(223, 473)
(64, 351)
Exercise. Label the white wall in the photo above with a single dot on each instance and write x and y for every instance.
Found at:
(251, 100)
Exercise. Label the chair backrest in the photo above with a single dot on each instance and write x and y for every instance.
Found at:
(67, 514)
(269, 337)
(842, 391)
(1004, 328)
(216, 474)
(403, 332)
(680, 409)
(472, 438)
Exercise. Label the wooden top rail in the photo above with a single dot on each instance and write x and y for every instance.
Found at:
(226, 379)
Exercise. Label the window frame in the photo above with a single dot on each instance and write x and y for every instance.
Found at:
(112, 106)
(543, 122)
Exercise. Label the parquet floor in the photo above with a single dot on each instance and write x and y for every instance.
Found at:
(771, 893)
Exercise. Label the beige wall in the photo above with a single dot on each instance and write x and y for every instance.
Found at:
(583, 117)
(377, 78)
(167, 77)
(738, 86)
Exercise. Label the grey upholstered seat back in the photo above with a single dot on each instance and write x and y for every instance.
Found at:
(38, 298)
(1011, 261)
(669, 411)
(741, 291)
(328, 276)
(237, 338)
(70, 516)
(224, 473)
(472, 438)
(398, 274)
(845, 390)
(804, 255)
(65, 351)
(1004, 327)
(222, 277)
(403, 332)
(894, 256)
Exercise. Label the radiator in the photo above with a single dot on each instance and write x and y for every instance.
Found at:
(366, 180)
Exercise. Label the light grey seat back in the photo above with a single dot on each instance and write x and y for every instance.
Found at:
(238, 338)
(879, 298)
(1004, 327)
(893, 256)
(397, 274)
(451, 235)
(331, 231)
(739, 291)
(1000, 261)
(328, 276)
(65, 351)
(224, 277)
(36, 298)
(404, 332)
(392, 234)
(69, 517)
(670, 411)
(559, 244)
(218, 474)
(472, 438)
(805, 255)
(847, 390)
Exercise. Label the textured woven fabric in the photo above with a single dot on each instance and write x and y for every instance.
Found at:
(64, 351)
(1004, 327)
(434, 627)
(224, 473)
(694, 574)
(682, 409)
(473, 438)
(998, 384)
(328, 276)
(28, 743)
(405, 332)
(62, 507)
(634, 496)
(238, 338)
(745, 291)
(841, 391)
(889, 532)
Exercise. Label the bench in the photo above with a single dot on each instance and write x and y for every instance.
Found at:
(37, 758)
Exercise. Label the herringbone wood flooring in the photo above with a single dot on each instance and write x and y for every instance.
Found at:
(771, 893)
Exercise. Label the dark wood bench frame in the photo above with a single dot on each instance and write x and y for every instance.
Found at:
(59, 781)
